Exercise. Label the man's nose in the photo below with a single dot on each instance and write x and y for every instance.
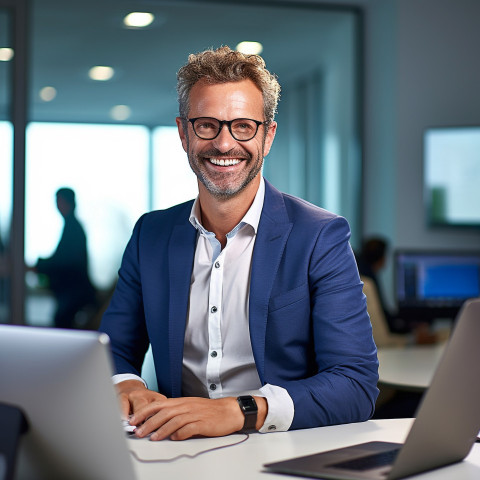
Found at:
(224, 141)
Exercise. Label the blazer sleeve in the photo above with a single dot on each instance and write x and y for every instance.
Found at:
(339, 384)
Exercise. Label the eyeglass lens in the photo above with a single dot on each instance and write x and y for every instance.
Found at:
(240, 128)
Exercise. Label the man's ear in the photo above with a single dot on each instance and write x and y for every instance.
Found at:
(272, 128)
(182, 133)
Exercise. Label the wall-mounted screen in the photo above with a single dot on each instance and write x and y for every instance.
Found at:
(432, 284)
(452, 176)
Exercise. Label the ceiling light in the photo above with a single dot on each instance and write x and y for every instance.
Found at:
(6, 54)
(47, 94)
(120, 112)
(138, 19)
(101, 73)
(250, 48)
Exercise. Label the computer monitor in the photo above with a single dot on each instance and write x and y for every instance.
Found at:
(434, 284)
(452, 175)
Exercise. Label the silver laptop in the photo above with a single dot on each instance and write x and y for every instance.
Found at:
(444, 431)
(61, 379)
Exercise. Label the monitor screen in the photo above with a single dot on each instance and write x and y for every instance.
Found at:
(452, 176)
(435, 284)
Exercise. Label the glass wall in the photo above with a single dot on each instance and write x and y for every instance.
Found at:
(173, 181)
(113, 140)
(108, 167)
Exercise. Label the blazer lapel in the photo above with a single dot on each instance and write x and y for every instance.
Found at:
(181, 251)
(273, 231)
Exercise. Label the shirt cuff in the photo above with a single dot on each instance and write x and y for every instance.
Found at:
(280, 409)
(121, 377)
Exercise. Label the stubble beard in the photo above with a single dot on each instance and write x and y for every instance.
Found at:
(224, 185)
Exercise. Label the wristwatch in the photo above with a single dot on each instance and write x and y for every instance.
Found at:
(249, 409)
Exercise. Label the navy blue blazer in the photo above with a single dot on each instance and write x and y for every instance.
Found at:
(309, 326)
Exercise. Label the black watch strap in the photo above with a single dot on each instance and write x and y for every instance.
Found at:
(249, 409)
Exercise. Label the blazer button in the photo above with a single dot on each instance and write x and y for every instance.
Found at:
(217, 264)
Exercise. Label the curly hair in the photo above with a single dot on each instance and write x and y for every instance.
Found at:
(226, 65)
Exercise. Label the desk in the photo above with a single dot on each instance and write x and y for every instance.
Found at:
(409, 368)
(245, 461)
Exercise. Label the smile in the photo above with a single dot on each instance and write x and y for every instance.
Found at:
(228, 162)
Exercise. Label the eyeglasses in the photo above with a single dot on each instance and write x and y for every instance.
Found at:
(241, 129)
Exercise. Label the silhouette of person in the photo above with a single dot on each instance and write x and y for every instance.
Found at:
(67, 268)
(371, 260)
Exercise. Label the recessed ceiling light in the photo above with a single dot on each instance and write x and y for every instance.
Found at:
(138, 19)
(120, 112)
(6, 54)
(250, 48)
(101, 73)
(47, 94)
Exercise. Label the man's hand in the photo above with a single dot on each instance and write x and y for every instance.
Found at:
(182, 418)
(134, 396)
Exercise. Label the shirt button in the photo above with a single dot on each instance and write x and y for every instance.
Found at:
(213, 354)
(213, 386)
(217, 264)
(213, 309)
(272, 427)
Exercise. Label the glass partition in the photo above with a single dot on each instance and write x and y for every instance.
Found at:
(6, 160)
(112, 138)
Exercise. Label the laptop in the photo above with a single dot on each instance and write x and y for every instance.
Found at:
(445, 429)
(61, 380)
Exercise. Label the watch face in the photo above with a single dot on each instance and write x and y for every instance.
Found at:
(248, 404)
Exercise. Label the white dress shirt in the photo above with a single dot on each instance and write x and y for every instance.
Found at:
(218, 358)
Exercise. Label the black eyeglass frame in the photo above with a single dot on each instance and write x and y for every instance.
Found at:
(228, 123)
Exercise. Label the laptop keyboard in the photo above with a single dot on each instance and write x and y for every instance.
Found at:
(368, 462)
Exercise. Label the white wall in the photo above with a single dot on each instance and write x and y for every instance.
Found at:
(422, 70)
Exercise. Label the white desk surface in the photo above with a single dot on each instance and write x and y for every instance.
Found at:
(409, 368)
(245, 461)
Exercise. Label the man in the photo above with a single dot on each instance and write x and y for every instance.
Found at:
(250, 298)
(67, 268)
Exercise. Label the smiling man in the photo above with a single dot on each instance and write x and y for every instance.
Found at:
(250, 298)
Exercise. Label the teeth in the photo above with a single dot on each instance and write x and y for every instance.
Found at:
(224, 163)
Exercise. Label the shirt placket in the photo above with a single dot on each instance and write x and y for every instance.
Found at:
(215, 352)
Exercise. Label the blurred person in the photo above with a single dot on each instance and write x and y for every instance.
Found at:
(370, 261)
(67, 268)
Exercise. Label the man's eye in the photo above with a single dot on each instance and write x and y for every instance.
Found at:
(205, 125)
(243, 126)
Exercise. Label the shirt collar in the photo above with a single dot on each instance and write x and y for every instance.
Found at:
(252, 217)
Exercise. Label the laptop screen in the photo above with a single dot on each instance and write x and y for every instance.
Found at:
(61, 380)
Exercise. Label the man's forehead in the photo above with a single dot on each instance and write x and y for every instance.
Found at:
(243, 94)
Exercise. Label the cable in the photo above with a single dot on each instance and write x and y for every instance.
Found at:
(184, 455)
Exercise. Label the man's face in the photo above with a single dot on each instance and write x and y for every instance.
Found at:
(223, 165)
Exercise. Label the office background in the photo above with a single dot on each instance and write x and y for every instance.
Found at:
(370, 75)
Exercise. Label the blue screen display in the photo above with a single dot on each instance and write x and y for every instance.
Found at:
(451, 281)
(436, 279)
